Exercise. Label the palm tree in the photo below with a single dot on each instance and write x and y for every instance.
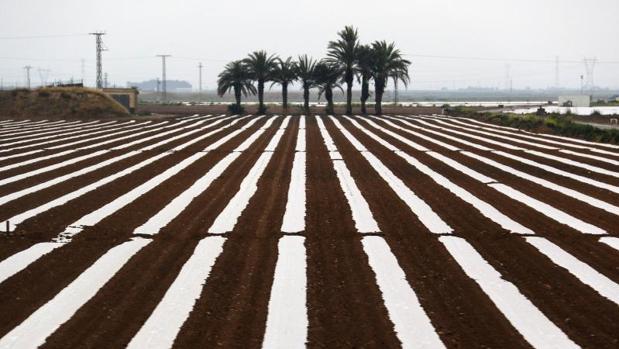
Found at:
(305, 73)
(365, 55)
(327, 76)
(387, 63)
(260, 66)
(235, 77)
(344, 52)
(284, 74)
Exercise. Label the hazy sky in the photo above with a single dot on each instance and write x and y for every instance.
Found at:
(440, 36)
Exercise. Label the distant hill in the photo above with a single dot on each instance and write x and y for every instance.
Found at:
(59, 103)
(151, 85)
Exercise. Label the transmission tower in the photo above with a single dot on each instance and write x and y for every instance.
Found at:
(164, 92)
(105, 80)
(200, 82)
(27, 68)
(589, 71)
(100, 48)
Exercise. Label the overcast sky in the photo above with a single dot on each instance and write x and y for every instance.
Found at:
(441, 37)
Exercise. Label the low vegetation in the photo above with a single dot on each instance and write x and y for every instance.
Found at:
(553, 123)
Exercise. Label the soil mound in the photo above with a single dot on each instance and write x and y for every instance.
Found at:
(59, 103)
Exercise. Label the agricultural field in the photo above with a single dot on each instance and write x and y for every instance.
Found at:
(286, 231)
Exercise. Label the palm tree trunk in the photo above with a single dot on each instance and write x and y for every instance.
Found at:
(329, 97)
(306, 98)
(237, 97)
(365, 94)
(285, 95)
(378, 91)
(349, 97)
(261, 96)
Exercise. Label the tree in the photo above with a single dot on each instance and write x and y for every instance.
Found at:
(305, 73)
(260, 66)
(327, 76)
(235, 77)
(344, 53)
(365, 55)
(284, 73)
(387, 63)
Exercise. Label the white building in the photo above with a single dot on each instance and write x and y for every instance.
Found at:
(575, 101)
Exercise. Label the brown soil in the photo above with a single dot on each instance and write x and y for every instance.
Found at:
(345, 305)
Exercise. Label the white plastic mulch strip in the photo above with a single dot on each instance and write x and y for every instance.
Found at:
(416, 134)
(550, 185)
(180, 202)
(548, 210)
(583, 272)
(21, 217)
(440, 134)
(287, 320)
(483, 207)
(33, 331)
(589, 156)
(361, 213)
(525, 161)
(464, 169)
(227, 219)
(51, 127)
(114, 129)
(468, 135)
(21, 260)
(532, 324)
(541, 136)
(52, 131)
(411, 323)
(559, 172)
(15, 220)
(422, 210)
(164, 323)
(125, 199)
(611, 241)
(294, 216)
(390, 133)
(491, 134)
(52, 138)
(38, 171)
(575, 163)
(42, 130)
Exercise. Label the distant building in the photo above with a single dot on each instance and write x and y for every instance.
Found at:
(575, 101)
(154, 85)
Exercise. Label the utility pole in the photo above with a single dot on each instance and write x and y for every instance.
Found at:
(99, 41)
(200, 82)
(164, 96)
(28, 67)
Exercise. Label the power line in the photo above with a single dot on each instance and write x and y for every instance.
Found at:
(40, 36)
(504, 59)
